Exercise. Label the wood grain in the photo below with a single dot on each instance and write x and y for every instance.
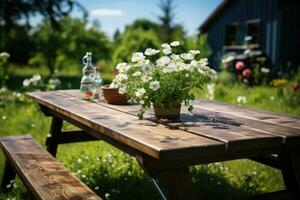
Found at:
(235, 137)
(148, 137)
(254, 114)
(44, 176)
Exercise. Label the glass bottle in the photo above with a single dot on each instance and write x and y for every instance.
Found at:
(97, 83)
(86, 86)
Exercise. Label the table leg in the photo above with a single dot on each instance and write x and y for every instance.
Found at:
(178, 181)
(55, 130)
(290, 161)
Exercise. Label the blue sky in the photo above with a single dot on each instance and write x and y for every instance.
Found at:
(115, 14)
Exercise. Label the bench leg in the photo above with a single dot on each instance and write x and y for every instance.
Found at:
(55, 130)
(8, 175)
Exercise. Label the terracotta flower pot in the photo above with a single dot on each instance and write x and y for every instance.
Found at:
(112, 96)
(167, 111)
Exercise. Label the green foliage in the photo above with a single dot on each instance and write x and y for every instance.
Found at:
(3, 68)
(12, 11)
(17, 41)
(200, 44)
(134, 40)
(56, 49)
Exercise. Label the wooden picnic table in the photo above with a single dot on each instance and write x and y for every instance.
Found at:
(165, 149)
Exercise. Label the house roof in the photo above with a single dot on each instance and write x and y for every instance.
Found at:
(213, 15)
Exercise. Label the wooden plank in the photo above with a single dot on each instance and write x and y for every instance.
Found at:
(146, 136)
(236, 138)
(290, 135)
(254, 114)
(41, 173)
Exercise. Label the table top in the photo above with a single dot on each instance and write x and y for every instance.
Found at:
(213, 130)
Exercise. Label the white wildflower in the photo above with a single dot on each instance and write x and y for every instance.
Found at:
(123, 67)
(122, 77)
(184, 66)
(176, 58)
(170, 68)
(165, 46)
(194, 52)
(210, 91)
(241, 99)
(4, 55)
(138, 56)
(122, 89)
(140, 92)
(26, 82)
(120, 65)
(167, 51)
(146, 78)
(151, 52)
(114, 84)
(265, 70)
(36, 78)
(137, 73)
(175, 43)
(163, 61)
(187, 56)
(146, 68)
(154, 85)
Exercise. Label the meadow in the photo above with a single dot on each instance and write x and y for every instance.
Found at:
(114, 175)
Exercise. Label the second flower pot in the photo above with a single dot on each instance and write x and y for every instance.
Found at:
(112, 96)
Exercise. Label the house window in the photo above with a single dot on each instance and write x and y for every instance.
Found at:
(253, 30)
(231, 34)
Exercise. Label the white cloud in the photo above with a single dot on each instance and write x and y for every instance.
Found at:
(100, 12)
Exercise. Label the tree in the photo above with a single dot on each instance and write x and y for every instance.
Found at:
(12, 33)
(56, 49)
(168, 31)
(200, 43)
(134, 41)
(166, 19)
(12, 11)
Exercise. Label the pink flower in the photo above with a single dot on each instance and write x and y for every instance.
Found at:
(295, 86)
(239, 65)
(226, 65)
(246, 73)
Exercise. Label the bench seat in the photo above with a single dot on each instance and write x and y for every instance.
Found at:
(42, 174)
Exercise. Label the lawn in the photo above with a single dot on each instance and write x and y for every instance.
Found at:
(115, 175)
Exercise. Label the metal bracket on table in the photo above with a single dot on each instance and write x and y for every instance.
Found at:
(161, 194)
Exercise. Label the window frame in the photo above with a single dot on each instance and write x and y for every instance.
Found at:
(236, 24)
(254, 21)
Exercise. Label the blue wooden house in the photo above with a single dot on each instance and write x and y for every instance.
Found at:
(271, 26)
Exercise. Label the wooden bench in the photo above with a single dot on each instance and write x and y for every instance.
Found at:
(42, 174)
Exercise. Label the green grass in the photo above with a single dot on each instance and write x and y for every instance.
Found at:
(115, 175)
(260, 97)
